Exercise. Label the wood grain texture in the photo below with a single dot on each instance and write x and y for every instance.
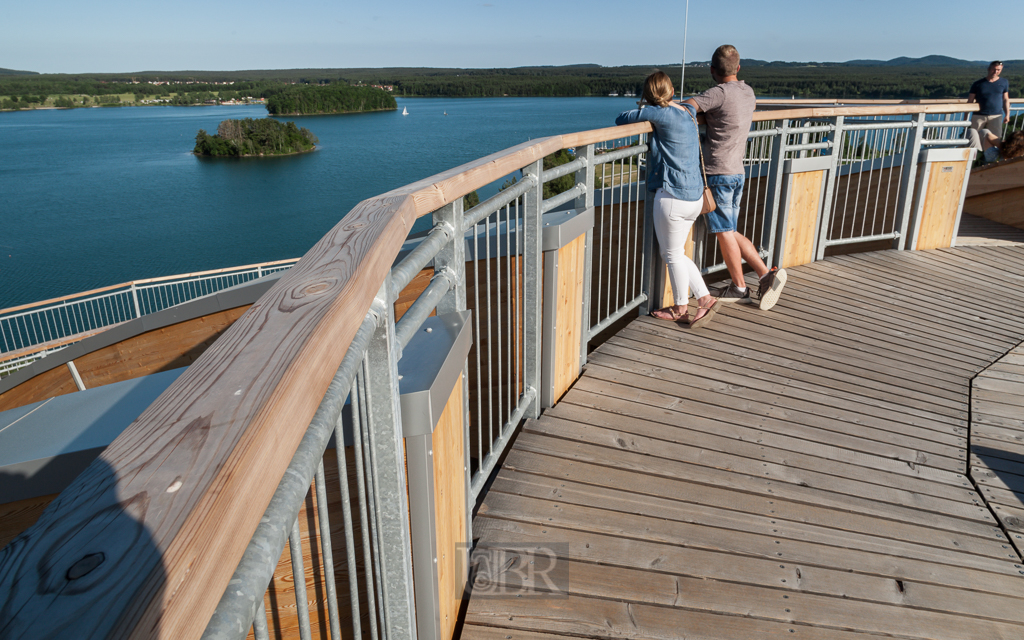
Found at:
(17, 516)
(941, 204)
(804, 202)
(55, 382)
(450, 509)
(569, 299)
(1003, 206)
(997, 176)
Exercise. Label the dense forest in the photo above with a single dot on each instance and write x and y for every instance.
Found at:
(933, 77)
(331, 98)
(254, 137)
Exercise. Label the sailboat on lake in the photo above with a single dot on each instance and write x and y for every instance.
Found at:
(405, 111)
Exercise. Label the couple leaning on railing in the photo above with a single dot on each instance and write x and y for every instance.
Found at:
(685, 187)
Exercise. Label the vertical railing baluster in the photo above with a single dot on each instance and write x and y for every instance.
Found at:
(773, 196)
(827, 209)
(299, 578)
(326, 548)
(586, 175)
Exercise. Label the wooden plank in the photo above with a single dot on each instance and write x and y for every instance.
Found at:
(804, 202)
(998, 176)
(710, 565)
(55, 382)
(770, 433)
(804, 408)
(573, 578)
(692, 431)
(823, 381)
(172, 347)
(613, 499)
(707, 565)
(450, 509)
(941, 204)
(961, 518)
(599, 618)
(999, 206)
(17, 516)
(569, 314)
(226, 428)
(554, 513)
(789, 513)
(961, 502)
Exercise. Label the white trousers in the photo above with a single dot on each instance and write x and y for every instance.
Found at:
(672, 222)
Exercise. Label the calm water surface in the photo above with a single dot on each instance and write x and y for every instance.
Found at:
(92, 197)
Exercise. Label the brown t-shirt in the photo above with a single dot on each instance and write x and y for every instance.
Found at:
(729, 110)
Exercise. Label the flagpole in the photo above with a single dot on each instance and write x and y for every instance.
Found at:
(682, 73)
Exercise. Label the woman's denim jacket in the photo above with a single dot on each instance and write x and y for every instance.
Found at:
(673, 162)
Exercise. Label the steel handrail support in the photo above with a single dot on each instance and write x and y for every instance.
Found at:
(583, 201)
(770, 224)
(387, 470)
(533, 294)
(905, 201)
(825, 215)
(452, 259)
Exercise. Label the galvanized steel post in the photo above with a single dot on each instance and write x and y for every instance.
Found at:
(907, 181)
(833, 176)
(387, 468)
(775, 182)
(533, 200)
(650, 280)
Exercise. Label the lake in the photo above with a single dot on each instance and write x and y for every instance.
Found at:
(93, 197)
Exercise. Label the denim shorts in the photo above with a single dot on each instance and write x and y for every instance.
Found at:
(727, 191)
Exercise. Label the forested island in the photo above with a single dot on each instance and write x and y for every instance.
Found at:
(330, 98)
(254, 137)
(345, 90)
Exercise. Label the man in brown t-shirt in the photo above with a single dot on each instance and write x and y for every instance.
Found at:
(728, 111)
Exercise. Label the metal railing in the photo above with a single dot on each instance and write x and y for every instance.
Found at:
(59, 320)
(488, 260)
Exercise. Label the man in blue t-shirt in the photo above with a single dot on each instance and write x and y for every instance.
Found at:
(992, 93)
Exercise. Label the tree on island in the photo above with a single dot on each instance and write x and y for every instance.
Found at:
(254, 137)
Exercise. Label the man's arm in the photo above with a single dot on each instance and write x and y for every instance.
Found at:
(696, 107)
(971, 98)
(1006, 106)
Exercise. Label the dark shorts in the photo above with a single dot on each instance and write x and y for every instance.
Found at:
(727, 191)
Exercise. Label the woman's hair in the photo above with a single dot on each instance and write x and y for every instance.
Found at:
(658, 89)
(1013, 146)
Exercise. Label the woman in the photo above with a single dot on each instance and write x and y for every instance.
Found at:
(674, 174)
(993, 149)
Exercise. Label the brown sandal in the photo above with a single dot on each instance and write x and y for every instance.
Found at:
(667, 313)
(703, 320)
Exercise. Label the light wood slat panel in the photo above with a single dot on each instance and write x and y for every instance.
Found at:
(804, 204)
(941, 204)
(996, 177)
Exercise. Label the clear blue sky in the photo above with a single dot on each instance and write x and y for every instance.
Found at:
(71, 36)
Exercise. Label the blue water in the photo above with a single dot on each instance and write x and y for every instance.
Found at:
(92, 197)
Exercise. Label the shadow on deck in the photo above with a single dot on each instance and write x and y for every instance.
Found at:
(800, 473)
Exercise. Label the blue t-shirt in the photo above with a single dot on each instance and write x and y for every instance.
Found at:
(990, 95)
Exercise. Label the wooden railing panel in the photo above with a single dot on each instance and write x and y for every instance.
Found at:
(941, 204)
(804, 203)
(450, 510)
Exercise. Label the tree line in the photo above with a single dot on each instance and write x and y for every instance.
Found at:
(332, 98)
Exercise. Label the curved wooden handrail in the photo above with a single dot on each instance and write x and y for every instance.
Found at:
(195, 472)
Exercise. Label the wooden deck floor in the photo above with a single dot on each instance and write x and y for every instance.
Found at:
(800, 473)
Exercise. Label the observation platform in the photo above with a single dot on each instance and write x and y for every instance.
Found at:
(809, 472)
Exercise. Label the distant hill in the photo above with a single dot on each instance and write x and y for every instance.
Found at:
(927, 61)
(12, 72)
